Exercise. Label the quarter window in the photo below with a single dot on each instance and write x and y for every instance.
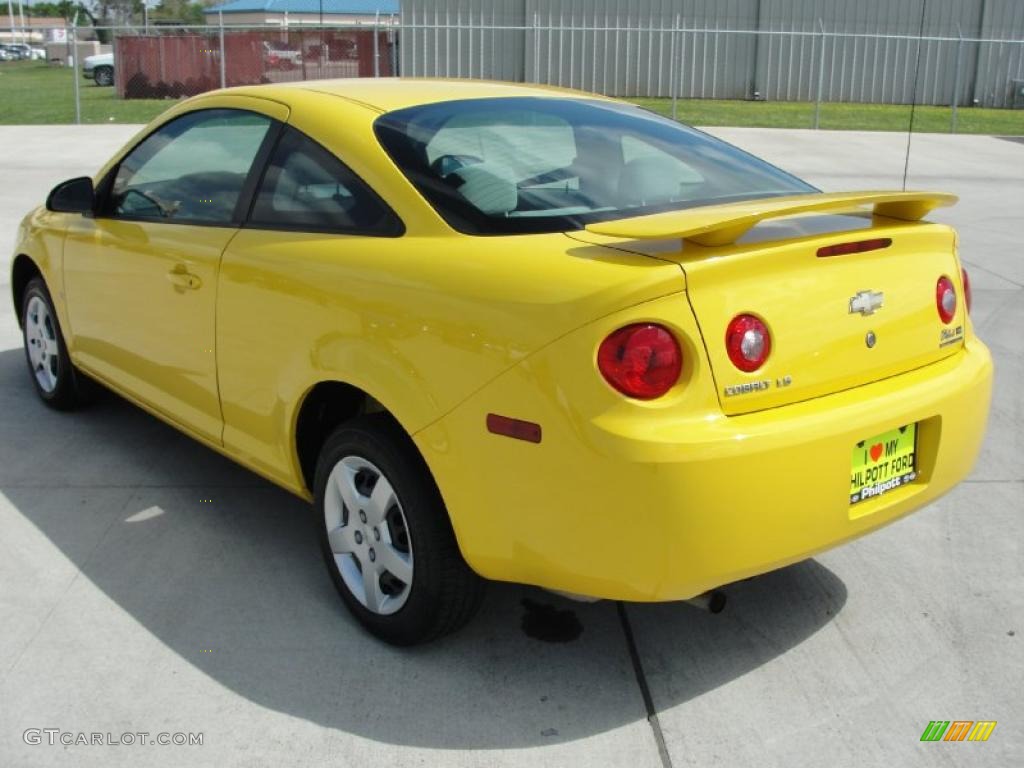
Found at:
(306, 188)
(190, 170)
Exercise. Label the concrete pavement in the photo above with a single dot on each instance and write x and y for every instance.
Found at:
(128, 602)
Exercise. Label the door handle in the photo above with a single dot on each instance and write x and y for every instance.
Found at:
(180, 277)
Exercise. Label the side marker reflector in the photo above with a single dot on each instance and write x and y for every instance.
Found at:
(520, 430)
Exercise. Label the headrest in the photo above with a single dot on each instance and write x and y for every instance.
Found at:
(647, 181)
(488, 187)
(304, 170)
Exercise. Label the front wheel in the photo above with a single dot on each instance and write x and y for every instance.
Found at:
(386, 536)
(52, 372)
(104, 75)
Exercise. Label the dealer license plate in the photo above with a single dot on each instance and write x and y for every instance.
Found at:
(883, 463)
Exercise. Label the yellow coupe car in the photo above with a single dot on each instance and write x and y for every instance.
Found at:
(513, 333)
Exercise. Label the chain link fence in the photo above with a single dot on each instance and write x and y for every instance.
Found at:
(670, 62)
(712, 63)
(190, 61)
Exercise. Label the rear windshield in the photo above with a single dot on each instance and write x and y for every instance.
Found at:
(509, 165)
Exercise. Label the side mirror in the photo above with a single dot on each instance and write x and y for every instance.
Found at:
(72, 196)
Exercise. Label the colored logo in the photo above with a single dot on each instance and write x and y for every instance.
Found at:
(958, 730)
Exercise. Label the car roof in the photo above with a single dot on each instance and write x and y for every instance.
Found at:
(386, 94)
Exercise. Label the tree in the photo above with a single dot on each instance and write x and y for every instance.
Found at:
(117, 12)
(183, 11)
(64, 9)
(113, 13)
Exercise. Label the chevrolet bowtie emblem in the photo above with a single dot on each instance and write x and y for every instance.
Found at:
(866, 302)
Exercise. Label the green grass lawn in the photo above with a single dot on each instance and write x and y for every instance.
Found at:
(850, 117)
(34, 92)
(37, 93)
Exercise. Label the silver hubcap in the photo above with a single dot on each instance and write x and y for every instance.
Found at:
(368, 535)
(41, 342)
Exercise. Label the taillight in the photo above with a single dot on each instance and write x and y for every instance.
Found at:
(967, 288)
(642, 361)
(748, 342)
(945, 299)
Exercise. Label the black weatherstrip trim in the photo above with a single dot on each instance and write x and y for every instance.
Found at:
(247, 197)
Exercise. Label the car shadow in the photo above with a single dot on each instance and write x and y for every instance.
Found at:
(223, 568)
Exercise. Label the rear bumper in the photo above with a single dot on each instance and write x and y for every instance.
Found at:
(772, 489)
(663, 509)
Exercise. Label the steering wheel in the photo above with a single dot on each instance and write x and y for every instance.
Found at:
(445, 165)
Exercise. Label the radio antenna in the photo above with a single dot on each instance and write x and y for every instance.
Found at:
(913, 101)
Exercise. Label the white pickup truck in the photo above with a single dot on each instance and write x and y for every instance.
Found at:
(99, 68)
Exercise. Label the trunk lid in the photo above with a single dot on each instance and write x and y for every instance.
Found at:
(819, 310)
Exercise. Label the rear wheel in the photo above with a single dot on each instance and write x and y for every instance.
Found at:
(386, 536)
(52, 372)
(104, 75)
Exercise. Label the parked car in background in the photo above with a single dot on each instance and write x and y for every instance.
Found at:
(281, 58)
(24, 51)
(13, 52)
(6, 55)
(99, 68)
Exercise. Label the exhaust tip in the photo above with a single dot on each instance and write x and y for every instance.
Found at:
(717, 601)
(712, 602)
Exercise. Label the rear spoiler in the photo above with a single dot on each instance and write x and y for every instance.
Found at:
(713, 225)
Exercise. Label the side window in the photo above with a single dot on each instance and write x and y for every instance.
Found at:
(190, 170)
(306, 188)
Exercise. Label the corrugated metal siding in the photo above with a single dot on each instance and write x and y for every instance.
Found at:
(463, 38)
(629, 48)
(867, 57)
(863, 51)
(998, 63)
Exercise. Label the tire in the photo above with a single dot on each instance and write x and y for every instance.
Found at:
(103, 76)
(402, 525)
(56, 381)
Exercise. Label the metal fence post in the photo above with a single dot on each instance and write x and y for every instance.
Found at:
(393, 48)
(74, 69)
(676, 68)
(223, 69)
(821, 75)
(956, 77)
(536, 47)
(376, 45)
